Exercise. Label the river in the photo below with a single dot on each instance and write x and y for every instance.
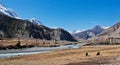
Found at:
(34, 50)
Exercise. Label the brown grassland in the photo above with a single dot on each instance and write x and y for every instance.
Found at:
(109, 55)
(34, 42)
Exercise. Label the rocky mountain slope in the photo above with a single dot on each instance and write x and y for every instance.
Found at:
(106, 35)
(12, 26)
(7, 11)
(89, 33)
(111, 30)
(17, 28)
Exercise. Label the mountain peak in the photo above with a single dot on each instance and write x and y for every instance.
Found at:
(97, 27)
(86, 34)
(7, 11)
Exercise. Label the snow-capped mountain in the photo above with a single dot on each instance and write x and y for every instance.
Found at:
(89, 33)
(12, 27)
(8, 11)
(35, 21)
(79, 31)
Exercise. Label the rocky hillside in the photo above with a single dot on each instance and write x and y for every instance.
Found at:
(12, 26)
(111, 30)
(89, 33)
(18, 28)
(104, 37)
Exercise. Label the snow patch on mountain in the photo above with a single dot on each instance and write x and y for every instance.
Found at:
(35, 21)
(105, 27)
(76, 31)
(8, 11)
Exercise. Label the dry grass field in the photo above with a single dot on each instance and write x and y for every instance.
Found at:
(109, 55)
(34, 42)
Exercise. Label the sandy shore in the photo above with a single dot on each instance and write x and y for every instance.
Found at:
(109, 55)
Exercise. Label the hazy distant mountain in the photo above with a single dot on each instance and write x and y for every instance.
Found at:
(106, 34)
(11, 26)
(88, 33)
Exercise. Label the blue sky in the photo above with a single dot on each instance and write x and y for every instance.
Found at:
(68, 14)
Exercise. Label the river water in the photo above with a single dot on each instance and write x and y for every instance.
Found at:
(34, 50)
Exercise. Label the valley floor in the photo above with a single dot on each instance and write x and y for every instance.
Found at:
(109, 55)
(28, 43)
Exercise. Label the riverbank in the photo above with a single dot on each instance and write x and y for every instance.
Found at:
(109, 54)
(34, 50)
(14, 43)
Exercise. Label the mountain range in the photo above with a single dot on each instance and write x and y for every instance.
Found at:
(88, 33)
(12, 26)
(99, 35)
